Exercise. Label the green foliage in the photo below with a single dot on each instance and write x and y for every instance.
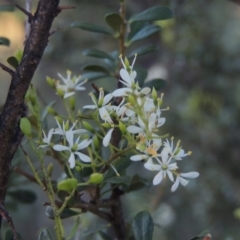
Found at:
(158, 84)
(115, 21)
(143, 226)
(4, 41)
(13, 61)
(153, 14)
(23, 195)
(66, 213)
(74, 228)
(9, 235)
(143, 50)
(91, 27)
(6, 7)
(97, 54)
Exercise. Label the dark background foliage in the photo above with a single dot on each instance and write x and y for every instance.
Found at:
(199, 56)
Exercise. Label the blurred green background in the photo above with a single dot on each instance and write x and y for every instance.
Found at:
(199, 57)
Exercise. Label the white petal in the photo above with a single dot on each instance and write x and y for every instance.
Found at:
(133, 75)
(60, 148)
(145, 90)
(69, 137)
(71, 160)
(107, 98)
(105, 115)
(134, 129)
(121, 92)
(125, 76)
(85, 143)
(158, 178)
(170, 175)
(190, 174)
(90, 106)
(149, 165)
(66, 95)
(183, 181)
(138, 157)
(107, 138)
(83, 157)
(161, 121)
(175, 185)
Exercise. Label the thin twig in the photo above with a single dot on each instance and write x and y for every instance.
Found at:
(7, 69)
(5, 215)
(66, 7)
(25, 174)
(30, 16)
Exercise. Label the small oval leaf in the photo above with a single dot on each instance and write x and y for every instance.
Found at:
(143, 50)
(157, 83)
(44, 235)
(23, 196)
(143, 226)
(114, 20)
(91, 27)
(13, 62)
(97, 54)
(95, 68)
(153, 14)
(119, 180)
(4, 41)
(143, 33)
(66, 213)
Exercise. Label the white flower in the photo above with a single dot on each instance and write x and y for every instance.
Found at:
(177, 153)
(103, 101)
(72, 84)
(47, 139)
(164, 167)
(74, 148)
(61, 130)
(184, 182)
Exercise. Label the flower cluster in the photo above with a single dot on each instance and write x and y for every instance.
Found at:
(139, 117)
(70, 143)
(137, 112)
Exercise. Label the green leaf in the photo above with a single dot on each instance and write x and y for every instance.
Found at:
(9, 235)
(137, 183)
(120, 165)
(157, 83)
(95, 68)
(7, 7)
(104, 235)
(13, 62)
(23, 196)
(91, 27)
(143, 226)
(74, 229)
(141, 76)
(4, 41)
(44, 235)
(119, 180)
(97, 54)
(66, 213)
(135, 27)
(153, 14)
(115, 21)
(91, 76)
(143, 50)
(143, 33)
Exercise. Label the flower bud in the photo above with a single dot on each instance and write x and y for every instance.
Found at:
(60, 92)
(25, 126)
(96, 178)
(67, 184)
(88, 126)
(51, 82)
(52, 111)
(106, 125)
(50, 169)
(154, 94)
(33, 120)
(78, 168)
(19, 55)
(72, 103)
(122, 127)
(59, 119)
(96, 142)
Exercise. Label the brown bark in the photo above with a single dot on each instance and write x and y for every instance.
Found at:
(14, 108)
